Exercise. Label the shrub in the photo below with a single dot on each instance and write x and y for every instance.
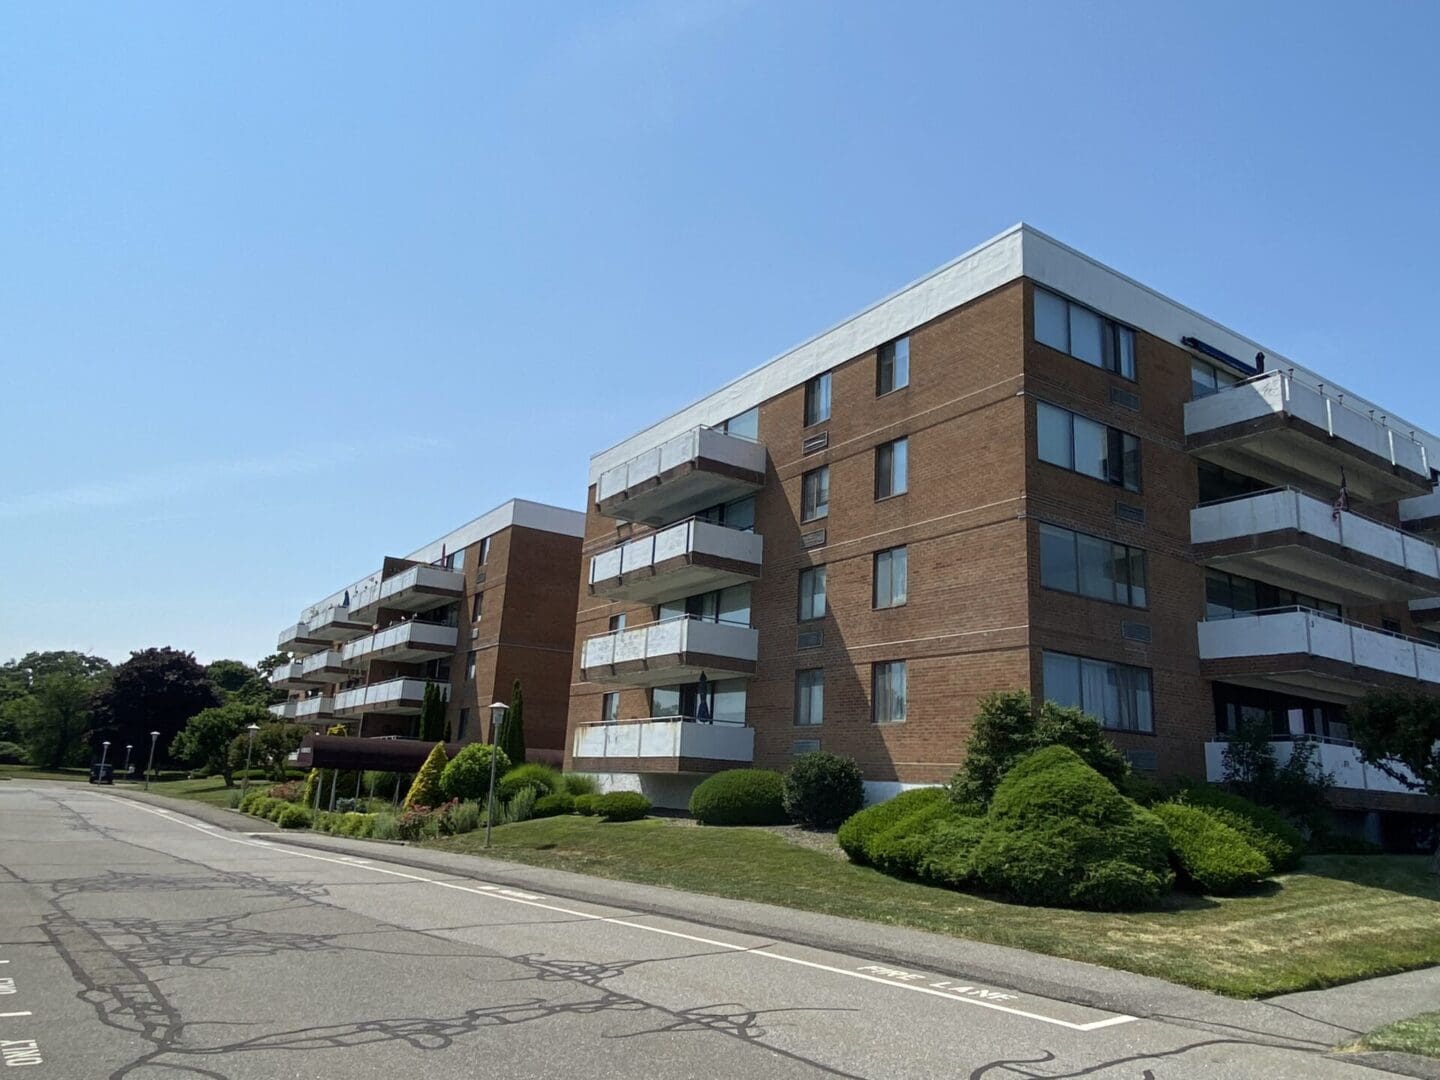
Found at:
(740, 797)
(323, 821)
(949, 857)
(900, 849)
(467, 777)
(312, 784)
(275, 807)
(249, 802)
(578, 784)
(1268, 832)
(544, 779)
(622, 806)
(385, 827)
(232, 800)
(1208, 854)
(11, 753)
(519, 807)
(1009, 725)
(353, 823)
(291, 791)
(458, 817)
(428, 786)
(411, 823)
(585, 804)
(1144, 790)
(859, 827)
(822, 790)
(294, 817)
(1058, 833)
(554, 805)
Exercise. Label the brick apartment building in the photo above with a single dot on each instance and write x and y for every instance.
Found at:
(491, 602)
(1024, 470)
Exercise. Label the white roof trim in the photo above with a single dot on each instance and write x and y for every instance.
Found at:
(1020, 251)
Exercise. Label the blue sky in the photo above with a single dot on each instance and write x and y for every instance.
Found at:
(285, 288)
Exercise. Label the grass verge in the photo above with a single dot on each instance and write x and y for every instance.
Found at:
(1339, 919)
(1418, 1035)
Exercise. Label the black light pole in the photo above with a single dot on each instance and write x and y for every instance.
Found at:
(498, 710)
(150, 767)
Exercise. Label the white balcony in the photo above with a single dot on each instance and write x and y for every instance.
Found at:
(1426, 612)
(297, 639)
(669, 652)
(1339, 759)
(289, 676)
(1296, 649)
(681, 560)
(662, 744)
(396, 697)
(1284, 431)
(1422, 515)
(313, 709)
(1298, 542)
(285, 710)
(404, 643)
(335, 623)
(329, 666)
(419, 588)
(702, 467)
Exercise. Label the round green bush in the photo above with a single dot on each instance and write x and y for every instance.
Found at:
(622, 806)
(534, 774)
(562, 802)
(822, 790)
(901, 849)
(948, 857)
(1210, 856)
(467, 774)
(859, 827)
(1268, 832)
(585, 804)
(1059, 834)
(740, 797)
(294, 817)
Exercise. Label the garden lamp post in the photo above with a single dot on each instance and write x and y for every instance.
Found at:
(104, 753)
(128, 748)
(249, 749)
(150, 766)
(498, 710)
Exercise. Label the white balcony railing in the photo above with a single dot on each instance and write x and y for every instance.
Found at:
(329, 659)
(690, 537)
(1425, 508)
(314, 708)
(285, 710)
(1286, 508)
(381, 694)
(699, 442)
(412, 634)
(686, 634)
(1336, 757)
(665, 738)
(1286, 631)
(286, 673)
(436, 578)
(1278, 392)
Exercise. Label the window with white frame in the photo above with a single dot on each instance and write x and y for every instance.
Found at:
(610, 708)
(815, 494)
(892, 366)
(1207, 379)
(817, 399)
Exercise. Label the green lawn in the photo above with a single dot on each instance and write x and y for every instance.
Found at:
(1418, 1035)
(1340, 919)
(210, 790)
(30, 772)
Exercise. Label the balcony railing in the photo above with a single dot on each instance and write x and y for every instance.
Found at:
(1299, 631)
(1422, 515)
(314, 708)
(1335, 756)
(285, 710)
(403, 642)
(297, 639)
(699, 468)
(334, 623)
(1274, 533)
(403, 695)
(1281, 429)
(417, 588)
(680, 560)
(288, 675)
(327, 666)
(666, 744)
(672, 651)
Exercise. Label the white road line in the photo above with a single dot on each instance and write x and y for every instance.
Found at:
(496, 892)
(2, 1015)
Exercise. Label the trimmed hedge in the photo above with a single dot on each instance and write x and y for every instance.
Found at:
(1209, 856)
(585, 804)
(1059, 834)
(554, 805)
(860, 827)
(949, 857)
(740, 797)
(543, 778)
(622, 806)
(823, 790)
(900, 849)
(1268, 832)
(294, 817)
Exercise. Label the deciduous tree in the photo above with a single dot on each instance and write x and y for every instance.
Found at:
(155, 690)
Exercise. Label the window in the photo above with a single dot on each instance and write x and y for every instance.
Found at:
(470, 665)
(1084, 334)
(484, 551)
(892, 468)
(1117, 695)
(815, 493)
(892, 574)
(1228, 595)
(463, 725)
(1082, 445)
(617, 622)
(817, 399)
(812, 593)
(455, 560)
(610, 708)
(888, 692)
(738, 515)
(746, 425)
(810, 697)
(1103, 570)
(477, 606)
(729, 605)
(1207, 379)
(892, 366)
(1217, 483)
(724, 701)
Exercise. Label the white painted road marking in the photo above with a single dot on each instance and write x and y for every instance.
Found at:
(530, 900)
(14, 1014)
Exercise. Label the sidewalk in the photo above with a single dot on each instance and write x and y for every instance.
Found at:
(1315, 1019)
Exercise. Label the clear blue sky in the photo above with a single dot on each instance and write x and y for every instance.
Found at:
(285, 288)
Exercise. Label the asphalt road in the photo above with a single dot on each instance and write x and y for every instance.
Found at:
(143, 944)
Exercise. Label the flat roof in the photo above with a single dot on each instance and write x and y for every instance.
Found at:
(1019, 251)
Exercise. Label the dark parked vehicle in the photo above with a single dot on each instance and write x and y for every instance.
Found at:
(102, 774)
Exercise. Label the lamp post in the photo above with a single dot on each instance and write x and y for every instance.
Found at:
(150, 766)
(128, 748)
(498, 710)
(104, 753)
(249, 749)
